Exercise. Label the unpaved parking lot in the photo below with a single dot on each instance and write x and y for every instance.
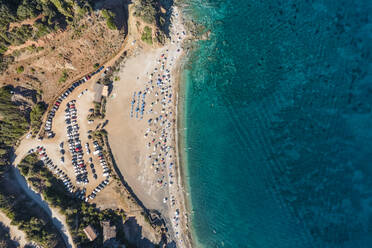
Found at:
(83, 104)
(53, 145)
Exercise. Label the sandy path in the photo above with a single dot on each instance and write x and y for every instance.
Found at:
(30, 21)
(28, 43)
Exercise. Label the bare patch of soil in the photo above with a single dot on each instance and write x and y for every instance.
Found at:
(74, 51)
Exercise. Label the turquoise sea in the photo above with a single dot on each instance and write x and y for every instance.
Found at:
(278, 118)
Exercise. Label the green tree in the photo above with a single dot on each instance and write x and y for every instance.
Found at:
(36, 115)
(27, 9)
(64, 7)
(64, 77)
(109, 16)
(20, 69)
(147, 35)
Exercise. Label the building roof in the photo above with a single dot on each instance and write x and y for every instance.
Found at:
(109, 232)
(98, 92)
(91, 234)
(105, 91)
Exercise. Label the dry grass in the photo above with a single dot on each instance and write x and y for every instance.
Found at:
(63, 52)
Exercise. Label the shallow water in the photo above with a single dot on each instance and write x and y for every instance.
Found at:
(279, 124)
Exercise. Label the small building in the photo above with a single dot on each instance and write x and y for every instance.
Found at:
(91, 234)
(98, 92)
(105, 91)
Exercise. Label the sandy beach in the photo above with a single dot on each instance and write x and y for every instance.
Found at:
(142, 129)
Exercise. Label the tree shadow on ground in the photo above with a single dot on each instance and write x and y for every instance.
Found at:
(133, 233)
(6, 239)
(119, 8)
(168, 6)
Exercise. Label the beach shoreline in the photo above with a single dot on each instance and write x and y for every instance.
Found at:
(152, 169)
(180, 126)
(179, 142)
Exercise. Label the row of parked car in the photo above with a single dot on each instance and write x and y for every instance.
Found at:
(52, 112)
(97, 189)
(40, 150)
(81, 194)
(74, 143)
(98, 152)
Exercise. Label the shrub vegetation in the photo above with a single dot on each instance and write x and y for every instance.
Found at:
(147, 35)
(36, 115)
(64, 77)
(147, 10)
(110, 17)
(20, 69)
(13, 123)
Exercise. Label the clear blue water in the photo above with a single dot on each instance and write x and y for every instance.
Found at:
(279, 124)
